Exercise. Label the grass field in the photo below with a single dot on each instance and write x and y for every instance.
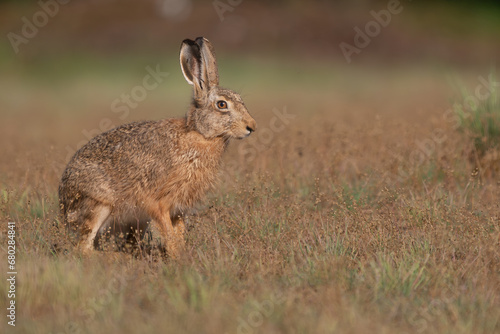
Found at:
(358, 206)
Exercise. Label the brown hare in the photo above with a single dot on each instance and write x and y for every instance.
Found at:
(153, 171)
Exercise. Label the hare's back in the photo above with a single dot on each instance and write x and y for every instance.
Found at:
(131, 143)
(122, 159)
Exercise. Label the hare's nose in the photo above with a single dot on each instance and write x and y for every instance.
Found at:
(252, 125)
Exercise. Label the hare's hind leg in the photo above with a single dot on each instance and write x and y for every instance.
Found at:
(91, 226)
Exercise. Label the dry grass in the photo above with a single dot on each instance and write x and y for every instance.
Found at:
(336, 225)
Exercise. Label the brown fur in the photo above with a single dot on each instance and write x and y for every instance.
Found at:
(154, 171)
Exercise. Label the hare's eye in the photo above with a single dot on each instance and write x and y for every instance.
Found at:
(222, 104)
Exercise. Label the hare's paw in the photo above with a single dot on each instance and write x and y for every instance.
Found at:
(85, 249)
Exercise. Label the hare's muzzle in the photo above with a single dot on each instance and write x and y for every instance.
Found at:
(251, 126)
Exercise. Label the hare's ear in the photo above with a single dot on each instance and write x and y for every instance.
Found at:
(191, 64)
(207, 51)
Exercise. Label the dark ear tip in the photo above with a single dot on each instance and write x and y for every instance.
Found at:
(199, 41)
(188, 42)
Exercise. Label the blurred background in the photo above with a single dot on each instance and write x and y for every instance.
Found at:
(446, 31)
(68, 66)
(458, 32)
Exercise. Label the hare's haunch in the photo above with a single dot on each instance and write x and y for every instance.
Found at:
(152, 171)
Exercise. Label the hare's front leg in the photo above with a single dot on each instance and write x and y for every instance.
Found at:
(168, 236)
(91, 226)
(171, 230)
(179, 230)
